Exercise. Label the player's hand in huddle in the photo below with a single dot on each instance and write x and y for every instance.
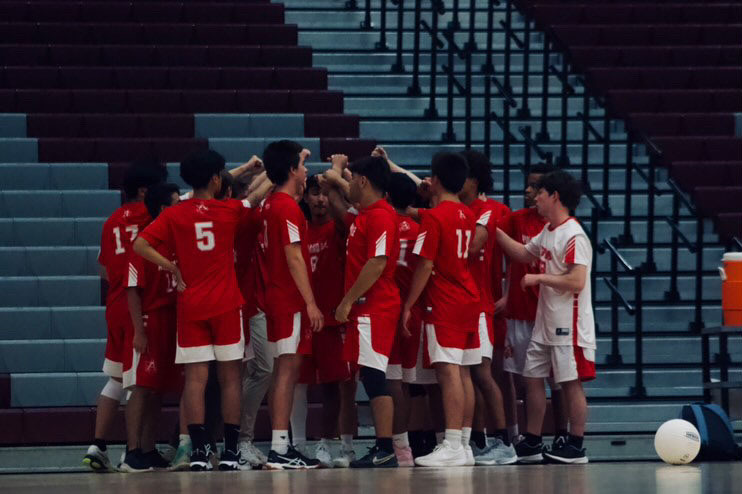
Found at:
(316, 319)
(255, 163)
(380, 151)
(339, 162)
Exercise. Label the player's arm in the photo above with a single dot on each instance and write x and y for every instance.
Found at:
(503, 301)
(395, 168)
(571, 281)
(480, 238)
(255, 163)
(144, 249)
(258, 191)
(135, 310)
(300, 275)
(420, 278)
(370, 272)
(515, 250)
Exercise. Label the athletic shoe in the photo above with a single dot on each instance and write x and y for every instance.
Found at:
(497, 454)
(136, 462)
(567, 454)
(97, 460)
(376, 458)
(182, 459)
(444, 455)
(404, 456)
(559, 442)
(250, 456)
(291, 460)
(323, 454)
(156, 460)
(477, 450)
(201, 459)
(529, 454)
(518, 439)
(470, 462)
(168, 453)
(345, 459)
(230, 460)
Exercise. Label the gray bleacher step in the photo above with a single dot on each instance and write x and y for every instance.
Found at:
(392, 83)
(340, 62)
(48, 261)
(665, 350)
(28, 291)
(653, 378)
(344, 19)
(355, 39)
(56, 389)
(47, 231)
(57, 355)
(254, 125)
(18, 150)
(74, 322)
(686, 260)
(55, 203)
(54, 176)
(654, 287)
(12, 125)
(669, 318)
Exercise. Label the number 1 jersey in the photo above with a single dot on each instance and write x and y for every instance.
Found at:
(201, 233)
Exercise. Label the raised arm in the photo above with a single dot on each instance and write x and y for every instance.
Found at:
(515, 250)
(395, 168)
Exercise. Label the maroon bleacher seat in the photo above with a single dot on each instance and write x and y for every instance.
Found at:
(11, 426)
(677, 124)
(353, 148)
(221, 101)
(623, 102)
(331, 125)
(693, 148)
(692, 174)
(308, 101)
(240, 56)
(729, 225)
(249, 101)
(713, 200)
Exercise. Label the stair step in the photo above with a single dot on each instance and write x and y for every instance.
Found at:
(47, 231)
(54, 176)
(55, 203)
(50, 291)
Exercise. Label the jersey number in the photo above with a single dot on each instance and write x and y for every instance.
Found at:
(402, 260)
(132, 230)
(204, 236)
(464, 237)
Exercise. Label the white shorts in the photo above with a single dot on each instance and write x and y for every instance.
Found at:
(464, 348)
(394, 372)
(518, 338)
(566, 363)
(486, 346)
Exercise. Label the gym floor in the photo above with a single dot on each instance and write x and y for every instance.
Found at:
(603, 478)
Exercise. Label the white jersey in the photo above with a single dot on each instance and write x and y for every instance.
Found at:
(563, 317)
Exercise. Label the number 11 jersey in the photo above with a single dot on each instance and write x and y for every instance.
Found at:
(201, 233)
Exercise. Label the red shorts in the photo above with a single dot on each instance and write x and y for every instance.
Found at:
(449, 345)
(218, 338)
(369, 340)
(405, 349)
(289, 333)
(156, 368)
(119, 323)
(325, 364)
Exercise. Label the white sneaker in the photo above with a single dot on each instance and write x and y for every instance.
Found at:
(497, 454)
(97, 460)
(343, 461)
(323, 454)
(469, 456)
(251, 456)
(444, 455)
(182, 459)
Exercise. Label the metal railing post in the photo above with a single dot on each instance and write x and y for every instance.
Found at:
(524, 111)
(488, 67)
(697, 325)
(638, 391)
(543, 134)
(414, 88)
(471, 44)
(366, 23)
(381, 44)
(626, 238)
(563, 159)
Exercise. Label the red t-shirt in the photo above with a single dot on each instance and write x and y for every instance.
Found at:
(119, 232)
(499, 211)
(246, 261)
(522, 225)
(283, 224)
(407, 230)
(452, 295)
(201, 233)
(157, 286)
(326, 245)
(373, 233)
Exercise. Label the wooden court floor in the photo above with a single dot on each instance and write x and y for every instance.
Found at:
(599, 478)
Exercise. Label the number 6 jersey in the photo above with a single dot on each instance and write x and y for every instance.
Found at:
(201, 234)
(452, 295)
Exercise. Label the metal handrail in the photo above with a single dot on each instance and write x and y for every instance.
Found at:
(630, 309)
(676, 228)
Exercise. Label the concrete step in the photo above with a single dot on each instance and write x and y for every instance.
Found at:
(48, 261)
(58, 204)
(36, 291)
(75, 322)
(49, 356)
(668, 318)
(46, 231)
(54, 176)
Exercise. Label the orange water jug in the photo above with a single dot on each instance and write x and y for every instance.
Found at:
(731, 288)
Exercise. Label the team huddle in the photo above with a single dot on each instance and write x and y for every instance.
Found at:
(263, 282)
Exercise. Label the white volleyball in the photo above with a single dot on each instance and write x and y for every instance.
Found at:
(677, 442)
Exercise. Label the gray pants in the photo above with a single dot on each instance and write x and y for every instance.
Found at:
(256, 376)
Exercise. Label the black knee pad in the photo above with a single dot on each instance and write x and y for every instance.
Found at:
(374, 381)
(417, 390)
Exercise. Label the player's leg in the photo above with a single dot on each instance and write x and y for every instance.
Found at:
(400, 437)
(196, 376)
(330, 416)
(148, 439)
(347, 423)
(419, 422)
(230, 380)
(559, 414)
(182, 460)
(298, 418)
(256, 379)
(437, 414)
(538, 366)
(134, 460)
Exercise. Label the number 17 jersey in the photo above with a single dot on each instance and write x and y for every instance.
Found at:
(201, 233)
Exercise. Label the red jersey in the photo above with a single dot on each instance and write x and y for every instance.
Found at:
(119, 232)
(373, 234)
(452, 295)
(246, 260)
(499, 211)
(157, 286)
(326, 245)
(486, 266)
(407, 230)
(201, 233)
(283, 224)
(522, 225)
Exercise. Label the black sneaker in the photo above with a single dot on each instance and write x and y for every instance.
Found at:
(156, 460)
(529, 454)
(567, 453)
(559, 441)
(230, 460)
(376, 458)
(136, 462)
(292, 460)
(200, 459)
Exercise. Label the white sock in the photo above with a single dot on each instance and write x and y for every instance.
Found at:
(401, 440)
(439, 436)
(183, 439)
(280, 442)
(346, 440)
(453, 436)
(299, 415)
(465, 436)
(513, 431)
